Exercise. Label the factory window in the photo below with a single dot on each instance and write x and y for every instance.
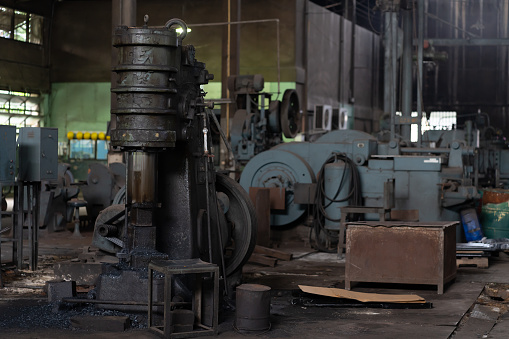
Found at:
(436, 121)
(20, 26)
(102, 149)
(414, 131)
(82, 149)
(442, 120)
(88, 149)
(20, 109)
(85, 145)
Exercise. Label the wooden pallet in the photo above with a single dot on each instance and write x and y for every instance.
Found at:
(268, 256)
(479, 262)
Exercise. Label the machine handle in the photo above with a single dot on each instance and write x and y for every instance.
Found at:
(181, 23)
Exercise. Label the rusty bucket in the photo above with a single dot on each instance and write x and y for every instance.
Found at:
(495, 213)
(253, 308)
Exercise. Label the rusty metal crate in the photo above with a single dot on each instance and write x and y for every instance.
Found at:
(401, 252)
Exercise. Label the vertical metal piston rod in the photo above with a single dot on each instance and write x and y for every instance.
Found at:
(141, 200)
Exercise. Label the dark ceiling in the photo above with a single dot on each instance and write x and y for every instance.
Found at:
(40, 7)
(367, 12)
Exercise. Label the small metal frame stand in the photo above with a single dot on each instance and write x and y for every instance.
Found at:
(174, 267)
(29, 207)
(37, 161)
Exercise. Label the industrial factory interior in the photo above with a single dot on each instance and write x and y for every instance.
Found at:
(254, 168)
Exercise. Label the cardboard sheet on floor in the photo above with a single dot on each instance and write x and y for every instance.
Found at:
(363, 297)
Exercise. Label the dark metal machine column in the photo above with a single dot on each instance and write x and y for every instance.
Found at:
(157, 95)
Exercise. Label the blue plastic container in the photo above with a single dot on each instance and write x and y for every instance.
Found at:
(471, 225)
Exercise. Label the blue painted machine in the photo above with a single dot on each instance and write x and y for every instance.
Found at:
(259, 122)
(351, 168)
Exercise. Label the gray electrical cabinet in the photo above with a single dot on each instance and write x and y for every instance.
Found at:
(38, 153)
(7, 154)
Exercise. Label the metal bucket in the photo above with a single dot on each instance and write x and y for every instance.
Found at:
(495, 196)
(495, 220)
(495, 213)
(253, 308)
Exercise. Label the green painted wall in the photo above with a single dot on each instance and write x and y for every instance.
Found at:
(85, 107)
(213, 89)
(79, 106)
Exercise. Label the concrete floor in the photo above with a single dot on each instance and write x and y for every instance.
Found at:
(463, 311)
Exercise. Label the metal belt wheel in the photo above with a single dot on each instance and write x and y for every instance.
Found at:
(241, 216)
(274, 116)
(67, 178)
(279, 168)
(120, 196)
(291, 116)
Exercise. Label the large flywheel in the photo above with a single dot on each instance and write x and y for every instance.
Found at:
(239, 213)
(291, 117)
(241, 218)
(282, 169)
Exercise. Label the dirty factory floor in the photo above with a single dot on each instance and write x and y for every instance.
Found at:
(474, 306)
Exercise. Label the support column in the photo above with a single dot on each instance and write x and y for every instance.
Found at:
(390, 61)
(420, 57)
(406, 86)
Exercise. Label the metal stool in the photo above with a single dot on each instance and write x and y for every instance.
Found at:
(76, 204)
(176, 267)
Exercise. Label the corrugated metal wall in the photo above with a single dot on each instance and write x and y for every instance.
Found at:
(329, 46)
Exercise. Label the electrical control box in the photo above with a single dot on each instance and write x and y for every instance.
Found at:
(38, 153)
(7, 154)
